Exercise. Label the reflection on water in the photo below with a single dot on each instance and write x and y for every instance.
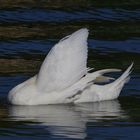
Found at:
(67, 120)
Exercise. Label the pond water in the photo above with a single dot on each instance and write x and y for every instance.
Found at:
(29, 29)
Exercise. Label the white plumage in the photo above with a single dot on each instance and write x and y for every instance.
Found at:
(65, 78)
(65, 64)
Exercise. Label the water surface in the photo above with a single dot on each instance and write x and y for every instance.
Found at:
(29, 30)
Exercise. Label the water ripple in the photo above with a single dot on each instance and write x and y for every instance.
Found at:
(36, 47)
(43, 15)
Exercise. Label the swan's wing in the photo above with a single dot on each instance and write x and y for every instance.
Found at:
(65, 64)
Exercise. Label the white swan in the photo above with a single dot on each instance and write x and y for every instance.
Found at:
(65, 78)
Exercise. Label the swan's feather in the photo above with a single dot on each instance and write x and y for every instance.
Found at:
(65, 64)
(65, 78)
(102, 79)
(105, 92)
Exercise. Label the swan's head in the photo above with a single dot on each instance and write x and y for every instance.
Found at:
(23, 93)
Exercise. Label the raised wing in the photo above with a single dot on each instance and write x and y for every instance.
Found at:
(65, 64)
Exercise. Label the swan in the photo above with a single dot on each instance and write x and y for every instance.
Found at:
(65, 78)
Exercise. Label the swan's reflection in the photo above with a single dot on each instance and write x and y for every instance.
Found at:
(101, 111)
(67, 120)
(60, 119)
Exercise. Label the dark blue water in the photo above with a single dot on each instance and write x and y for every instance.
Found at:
(35, 15)
(114, 42)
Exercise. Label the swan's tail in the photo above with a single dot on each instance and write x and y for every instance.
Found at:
(105, 92)
(115, 87)
(124, 78)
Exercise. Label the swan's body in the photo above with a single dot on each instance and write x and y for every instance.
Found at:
(64, 77)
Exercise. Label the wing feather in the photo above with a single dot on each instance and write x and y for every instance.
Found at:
(65, 64)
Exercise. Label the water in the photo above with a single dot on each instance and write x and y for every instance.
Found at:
(28, 31)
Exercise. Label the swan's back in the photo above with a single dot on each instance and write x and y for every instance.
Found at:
(65, 64)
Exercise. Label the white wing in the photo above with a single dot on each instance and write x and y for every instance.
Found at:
(65, 64)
